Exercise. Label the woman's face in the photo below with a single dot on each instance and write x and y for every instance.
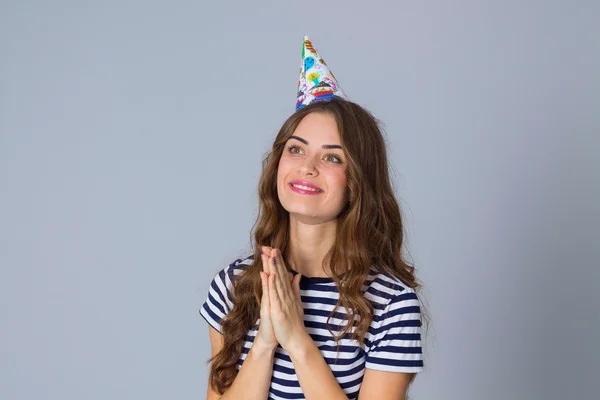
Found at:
(305, 159)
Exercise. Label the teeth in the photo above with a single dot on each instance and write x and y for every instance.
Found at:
(304, 188)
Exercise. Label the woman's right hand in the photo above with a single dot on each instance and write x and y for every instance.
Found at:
(266, 335)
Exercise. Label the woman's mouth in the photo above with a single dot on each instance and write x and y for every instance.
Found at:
(304, 189)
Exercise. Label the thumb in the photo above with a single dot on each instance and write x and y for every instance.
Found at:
(296, 285)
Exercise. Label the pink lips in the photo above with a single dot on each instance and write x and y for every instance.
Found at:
(307, 184)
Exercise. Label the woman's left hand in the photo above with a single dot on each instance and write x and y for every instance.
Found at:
(287, 311)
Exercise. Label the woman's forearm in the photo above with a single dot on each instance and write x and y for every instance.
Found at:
(254, 378)
(314, 375)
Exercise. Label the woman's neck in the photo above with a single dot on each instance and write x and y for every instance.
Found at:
(308, 245)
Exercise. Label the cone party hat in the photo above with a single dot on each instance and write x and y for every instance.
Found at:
(316, 82)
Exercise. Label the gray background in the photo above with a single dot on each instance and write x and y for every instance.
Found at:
(131, 134)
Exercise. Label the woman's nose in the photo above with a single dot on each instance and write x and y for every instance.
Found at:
(308, 166)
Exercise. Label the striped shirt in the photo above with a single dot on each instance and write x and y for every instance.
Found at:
(392, 343)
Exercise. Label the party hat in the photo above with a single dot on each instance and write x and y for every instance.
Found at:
(316, 82)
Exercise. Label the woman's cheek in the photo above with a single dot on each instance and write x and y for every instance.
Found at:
(341, 177)
(286, 163)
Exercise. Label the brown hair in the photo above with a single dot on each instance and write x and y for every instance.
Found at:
(369, 232)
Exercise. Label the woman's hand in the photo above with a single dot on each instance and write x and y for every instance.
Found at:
(265, 336)
(287, 311)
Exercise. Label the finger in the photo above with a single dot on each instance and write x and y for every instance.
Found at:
(282, 272)
(265, 288)
(273, 296)
(274, 263)
(283, 285)
(265, 263)
(266, 250)
(270, 266)
(278, 284)
(296, 285)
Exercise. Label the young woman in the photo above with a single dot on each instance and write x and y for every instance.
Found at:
(325, 307)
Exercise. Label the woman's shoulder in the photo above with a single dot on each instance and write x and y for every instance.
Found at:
(219, 300)
(237, 266)
(381, 287)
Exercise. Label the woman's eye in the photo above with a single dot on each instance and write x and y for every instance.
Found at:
(292, 148)
(335, 157)
(295, 150)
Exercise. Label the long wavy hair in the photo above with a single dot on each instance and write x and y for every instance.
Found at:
(369, 233)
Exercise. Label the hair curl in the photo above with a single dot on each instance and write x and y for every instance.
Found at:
(369, 233)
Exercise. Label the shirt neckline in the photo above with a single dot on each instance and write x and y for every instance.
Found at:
(313, 280)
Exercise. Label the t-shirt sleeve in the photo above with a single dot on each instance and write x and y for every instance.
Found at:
(218, 300)
(395, 336)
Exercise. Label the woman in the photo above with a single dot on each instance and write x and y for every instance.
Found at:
(325, 307)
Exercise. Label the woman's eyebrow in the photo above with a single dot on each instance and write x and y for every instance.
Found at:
(325, 146)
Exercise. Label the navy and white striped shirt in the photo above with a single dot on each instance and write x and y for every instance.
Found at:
(392, 343)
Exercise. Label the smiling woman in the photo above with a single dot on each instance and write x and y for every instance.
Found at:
(317, 169)
(325, 307)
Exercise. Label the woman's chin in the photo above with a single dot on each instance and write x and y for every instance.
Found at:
(310, 217)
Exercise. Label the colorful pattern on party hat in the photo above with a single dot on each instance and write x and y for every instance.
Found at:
(316, 82)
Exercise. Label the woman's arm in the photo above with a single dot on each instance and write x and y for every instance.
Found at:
(253, 379)
(314, 375)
